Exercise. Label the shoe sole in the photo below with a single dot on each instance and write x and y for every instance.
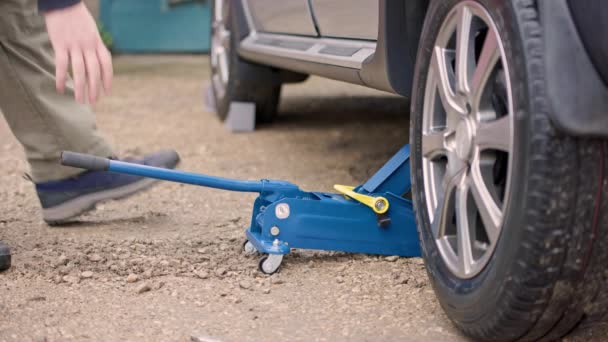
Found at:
(61, 213)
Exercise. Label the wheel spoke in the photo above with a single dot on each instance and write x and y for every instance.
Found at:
(465, 62)
(223, 65)
(445, 205)
(219, 10)
(463, 236)
(225, 38)
(495, 134)
(489, 56)
(433, 145)
(444, 80)
(490, 213)
(217, 85)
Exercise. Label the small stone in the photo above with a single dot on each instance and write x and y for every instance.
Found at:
(57, 279)
(391, 258)
(339, 280)
(202, 274)
(95, 257)
(356, 289)
(277, 281)
(131, 278)
(401, 281)
(266, 291)
(245, 284)
(143, 288)
(86, 275)
(203, 339)
(237, 300)
(202, 250)
(147, 274)
(220, 271)
(71, 279)
(159, 285)
(62, 260)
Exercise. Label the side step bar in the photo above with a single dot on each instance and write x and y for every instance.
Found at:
(328, 51)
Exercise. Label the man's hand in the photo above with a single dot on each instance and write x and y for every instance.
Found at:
(75, 39)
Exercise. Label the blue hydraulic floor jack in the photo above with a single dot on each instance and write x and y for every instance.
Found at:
(371, 218)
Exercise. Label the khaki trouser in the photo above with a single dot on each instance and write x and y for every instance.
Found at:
(44, 121)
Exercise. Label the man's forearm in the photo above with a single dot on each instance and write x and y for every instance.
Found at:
(48, 5)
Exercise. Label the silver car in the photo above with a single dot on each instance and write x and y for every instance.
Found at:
(509, 121)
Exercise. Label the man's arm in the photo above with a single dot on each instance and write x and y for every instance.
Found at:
(76, 41)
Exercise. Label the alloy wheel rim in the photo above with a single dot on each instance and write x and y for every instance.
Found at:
(220, 48)
(467, 139)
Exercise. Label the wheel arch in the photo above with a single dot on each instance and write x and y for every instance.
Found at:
(578, 96)
(391, 68)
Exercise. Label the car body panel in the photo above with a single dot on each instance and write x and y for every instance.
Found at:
(355, 19)
(285, 16)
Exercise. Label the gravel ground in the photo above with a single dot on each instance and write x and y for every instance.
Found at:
(166, 265)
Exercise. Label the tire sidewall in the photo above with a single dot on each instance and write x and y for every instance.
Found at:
(471, 299)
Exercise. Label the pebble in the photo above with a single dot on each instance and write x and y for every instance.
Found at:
(132, 278)
(391, 258)
(245, 284)
(401, 281)
(71, 279)
(203, 339)
(339, 280)
(220, 271)
(86, 275)
(266, 291)
(143, 288)
(95, 257)
(62, 260)
(202, 274)
(277, 281)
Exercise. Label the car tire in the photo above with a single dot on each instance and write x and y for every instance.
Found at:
(540, 268)
(234, 79)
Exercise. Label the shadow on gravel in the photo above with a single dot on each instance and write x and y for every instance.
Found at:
(312, 112)
(148, 219)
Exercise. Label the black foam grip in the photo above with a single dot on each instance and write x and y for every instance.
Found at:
(84, 161)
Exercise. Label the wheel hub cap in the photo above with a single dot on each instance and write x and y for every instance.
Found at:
(464, 140)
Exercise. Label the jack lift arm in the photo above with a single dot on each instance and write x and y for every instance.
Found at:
(371, 218)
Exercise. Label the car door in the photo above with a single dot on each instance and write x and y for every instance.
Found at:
(355, 19)
(285, 16)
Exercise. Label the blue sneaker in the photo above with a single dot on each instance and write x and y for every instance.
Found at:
(64, 199)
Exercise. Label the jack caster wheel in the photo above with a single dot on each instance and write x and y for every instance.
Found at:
(271, 263)
(249, 248)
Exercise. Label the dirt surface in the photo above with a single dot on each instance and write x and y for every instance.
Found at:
(166, 265)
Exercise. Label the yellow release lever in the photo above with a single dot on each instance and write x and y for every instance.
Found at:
(378, 204)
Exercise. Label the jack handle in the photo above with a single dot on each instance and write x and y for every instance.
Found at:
(85, 161)
(93, 163)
